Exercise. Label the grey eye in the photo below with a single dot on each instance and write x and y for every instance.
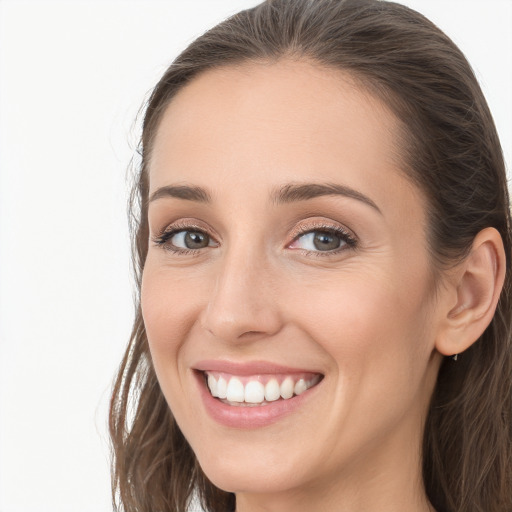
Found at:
(323, 241)
(190, 240)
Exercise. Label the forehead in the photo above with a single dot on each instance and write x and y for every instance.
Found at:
(265, 124)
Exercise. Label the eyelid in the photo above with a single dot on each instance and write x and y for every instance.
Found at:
(321, 225)
(184, 224)
(302, 228)
(347, 236)
(162, 237)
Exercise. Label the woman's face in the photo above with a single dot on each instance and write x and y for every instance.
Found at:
(288, 258)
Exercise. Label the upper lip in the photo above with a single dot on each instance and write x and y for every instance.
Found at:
(248, 368)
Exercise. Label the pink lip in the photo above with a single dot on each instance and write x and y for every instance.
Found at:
(246, 369)
(244, 417)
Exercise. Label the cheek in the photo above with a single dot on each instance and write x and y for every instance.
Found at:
(374, 331)
(168, 305)
(360, 312)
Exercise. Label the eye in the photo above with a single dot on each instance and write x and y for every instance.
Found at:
(323, 240)
(183, 240)
(190, 240)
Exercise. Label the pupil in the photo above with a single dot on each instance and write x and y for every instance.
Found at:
(326, 241)
(196, 240)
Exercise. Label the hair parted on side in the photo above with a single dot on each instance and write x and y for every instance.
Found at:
(449, 149)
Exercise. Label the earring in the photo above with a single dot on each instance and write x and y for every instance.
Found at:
(455, 356)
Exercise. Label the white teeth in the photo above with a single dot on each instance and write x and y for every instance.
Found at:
(212, 384)
(287, 388)
(272, 390)
(300, 387)
(235, 391)
(254, 392)
(222, 388)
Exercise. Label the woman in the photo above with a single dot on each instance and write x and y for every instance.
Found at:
(322, 244)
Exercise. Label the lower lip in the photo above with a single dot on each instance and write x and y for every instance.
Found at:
(249, 417)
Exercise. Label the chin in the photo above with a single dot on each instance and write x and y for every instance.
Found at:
(244, 476)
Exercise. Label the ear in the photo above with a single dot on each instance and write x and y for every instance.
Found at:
(472, 291)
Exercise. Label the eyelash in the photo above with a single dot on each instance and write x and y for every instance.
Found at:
(344, 235)
(162, 239)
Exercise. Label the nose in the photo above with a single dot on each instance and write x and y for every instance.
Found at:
(243, 304)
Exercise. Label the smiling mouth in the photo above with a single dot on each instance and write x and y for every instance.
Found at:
(258, 390)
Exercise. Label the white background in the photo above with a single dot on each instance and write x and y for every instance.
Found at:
(73, 75)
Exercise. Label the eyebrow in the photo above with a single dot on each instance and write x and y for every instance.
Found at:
(187, 192)
(304, 191)
(286, 194)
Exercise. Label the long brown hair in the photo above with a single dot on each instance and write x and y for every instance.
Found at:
(449, 148)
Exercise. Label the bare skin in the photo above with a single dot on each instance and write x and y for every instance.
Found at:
(357, 307)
